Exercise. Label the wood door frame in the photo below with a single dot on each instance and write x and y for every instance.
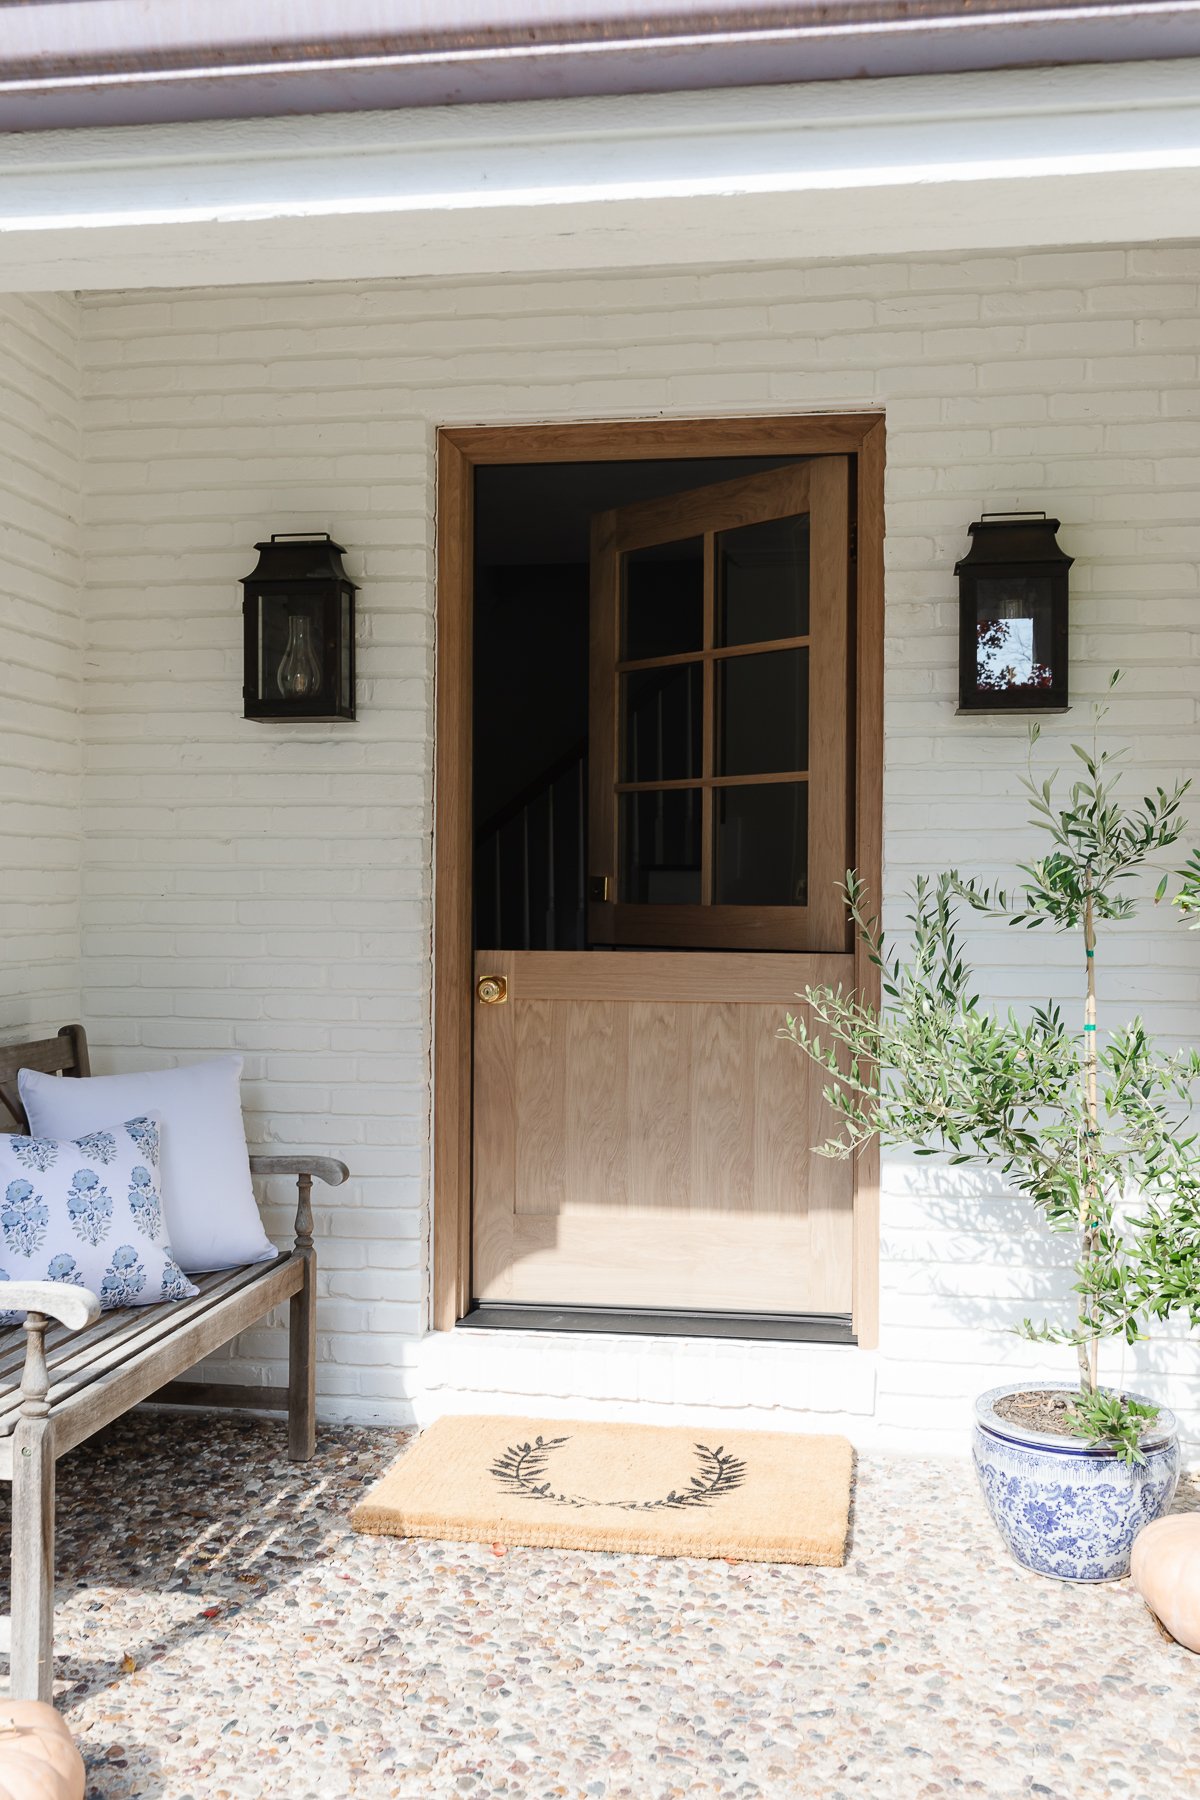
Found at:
(460, 451)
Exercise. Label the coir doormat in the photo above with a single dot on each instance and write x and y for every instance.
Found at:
(755, 1496)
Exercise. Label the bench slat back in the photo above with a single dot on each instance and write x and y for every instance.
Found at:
(65, 1054)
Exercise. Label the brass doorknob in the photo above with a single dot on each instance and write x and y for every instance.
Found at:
(492, 989)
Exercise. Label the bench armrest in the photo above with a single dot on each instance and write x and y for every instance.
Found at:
(42, 1301)
(325, 1168)
(72, 1306)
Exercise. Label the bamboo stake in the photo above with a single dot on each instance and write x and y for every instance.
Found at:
(1089, 1350)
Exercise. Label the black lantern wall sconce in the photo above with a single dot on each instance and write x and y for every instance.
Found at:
(298, 614)
(1012, 621)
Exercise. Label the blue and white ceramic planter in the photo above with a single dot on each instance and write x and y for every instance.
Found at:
(1062, 1507)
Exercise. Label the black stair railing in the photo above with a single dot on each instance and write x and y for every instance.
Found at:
(530, 861)
(531, 853)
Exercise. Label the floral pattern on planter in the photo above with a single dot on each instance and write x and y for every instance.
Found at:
(1066, 1510)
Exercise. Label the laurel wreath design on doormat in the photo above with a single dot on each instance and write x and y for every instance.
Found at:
(521, 1470)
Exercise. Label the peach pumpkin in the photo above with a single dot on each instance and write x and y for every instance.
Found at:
(38, 1758)
(1165, 1570)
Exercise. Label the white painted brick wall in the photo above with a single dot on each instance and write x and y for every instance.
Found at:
(41, 664)
(267, 891)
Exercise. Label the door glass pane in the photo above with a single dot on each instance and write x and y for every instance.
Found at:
(660, 847)
(762, 713)
(663, 717)
(762, 581)
(663, 599)
(762, 845)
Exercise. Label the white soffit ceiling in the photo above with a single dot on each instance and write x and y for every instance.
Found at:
(1097, 154)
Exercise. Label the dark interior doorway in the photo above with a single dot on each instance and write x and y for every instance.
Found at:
(531, 605)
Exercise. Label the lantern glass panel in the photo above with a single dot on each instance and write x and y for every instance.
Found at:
(289, 633)
(1013, 635)
(346, 661)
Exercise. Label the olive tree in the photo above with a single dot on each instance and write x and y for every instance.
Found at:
(1093, 1128)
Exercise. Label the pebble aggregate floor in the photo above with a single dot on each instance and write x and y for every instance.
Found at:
(223, 1635)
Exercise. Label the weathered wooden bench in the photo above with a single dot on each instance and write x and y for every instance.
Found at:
(71, 1370)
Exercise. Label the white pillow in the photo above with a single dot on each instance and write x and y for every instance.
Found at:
(212, 1215)
(89, 1212)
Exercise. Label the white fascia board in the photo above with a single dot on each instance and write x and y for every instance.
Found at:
(953, 162)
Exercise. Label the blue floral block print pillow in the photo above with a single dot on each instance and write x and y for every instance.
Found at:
(89, 1212)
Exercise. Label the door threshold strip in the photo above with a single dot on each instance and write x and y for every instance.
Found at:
(808, 1328)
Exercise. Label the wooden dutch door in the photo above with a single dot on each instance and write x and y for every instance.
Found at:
(643, 1137)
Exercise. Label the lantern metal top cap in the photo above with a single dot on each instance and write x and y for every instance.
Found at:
(1007, 538)
(300, 556)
